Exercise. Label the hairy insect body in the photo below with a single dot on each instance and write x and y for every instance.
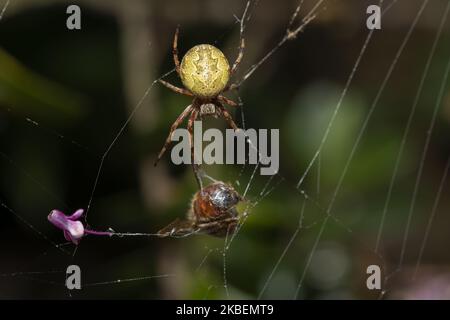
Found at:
(205, 71)
(213, 211)
(214, 201)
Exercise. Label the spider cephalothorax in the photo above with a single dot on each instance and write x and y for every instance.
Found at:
(213, 211)
(205, 74)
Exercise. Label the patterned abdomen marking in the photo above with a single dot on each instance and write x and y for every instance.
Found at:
(205, 71)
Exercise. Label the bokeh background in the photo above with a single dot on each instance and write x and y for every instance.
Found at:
(64, 95)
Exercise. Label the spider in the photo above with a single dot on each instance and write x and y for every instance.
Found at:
(205, 73)
(213, 211)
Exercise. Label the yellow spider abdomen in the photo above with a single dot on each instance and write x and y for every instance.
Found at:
(205, 71)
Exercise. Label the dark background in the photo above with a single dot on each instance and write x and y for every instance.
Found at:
(81, 86)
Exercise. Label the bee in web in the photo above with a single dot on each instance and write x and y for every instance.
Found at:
(213, 211)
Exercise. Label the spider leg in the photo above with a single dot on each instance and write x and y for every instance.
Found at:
(195, 166)
(239, 57)
(232, 86)
(175, 88)
(172, 129)
(236, 64)
(176, 60)
(242, 43)
(230, 102)
(227, 116)
(190, 128)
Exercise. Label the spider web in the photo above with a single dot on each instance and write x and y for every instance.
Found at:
(322, 213)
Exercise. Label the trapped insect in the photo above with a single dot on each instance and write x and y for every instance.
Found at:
(213, 211)
(205, 74)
